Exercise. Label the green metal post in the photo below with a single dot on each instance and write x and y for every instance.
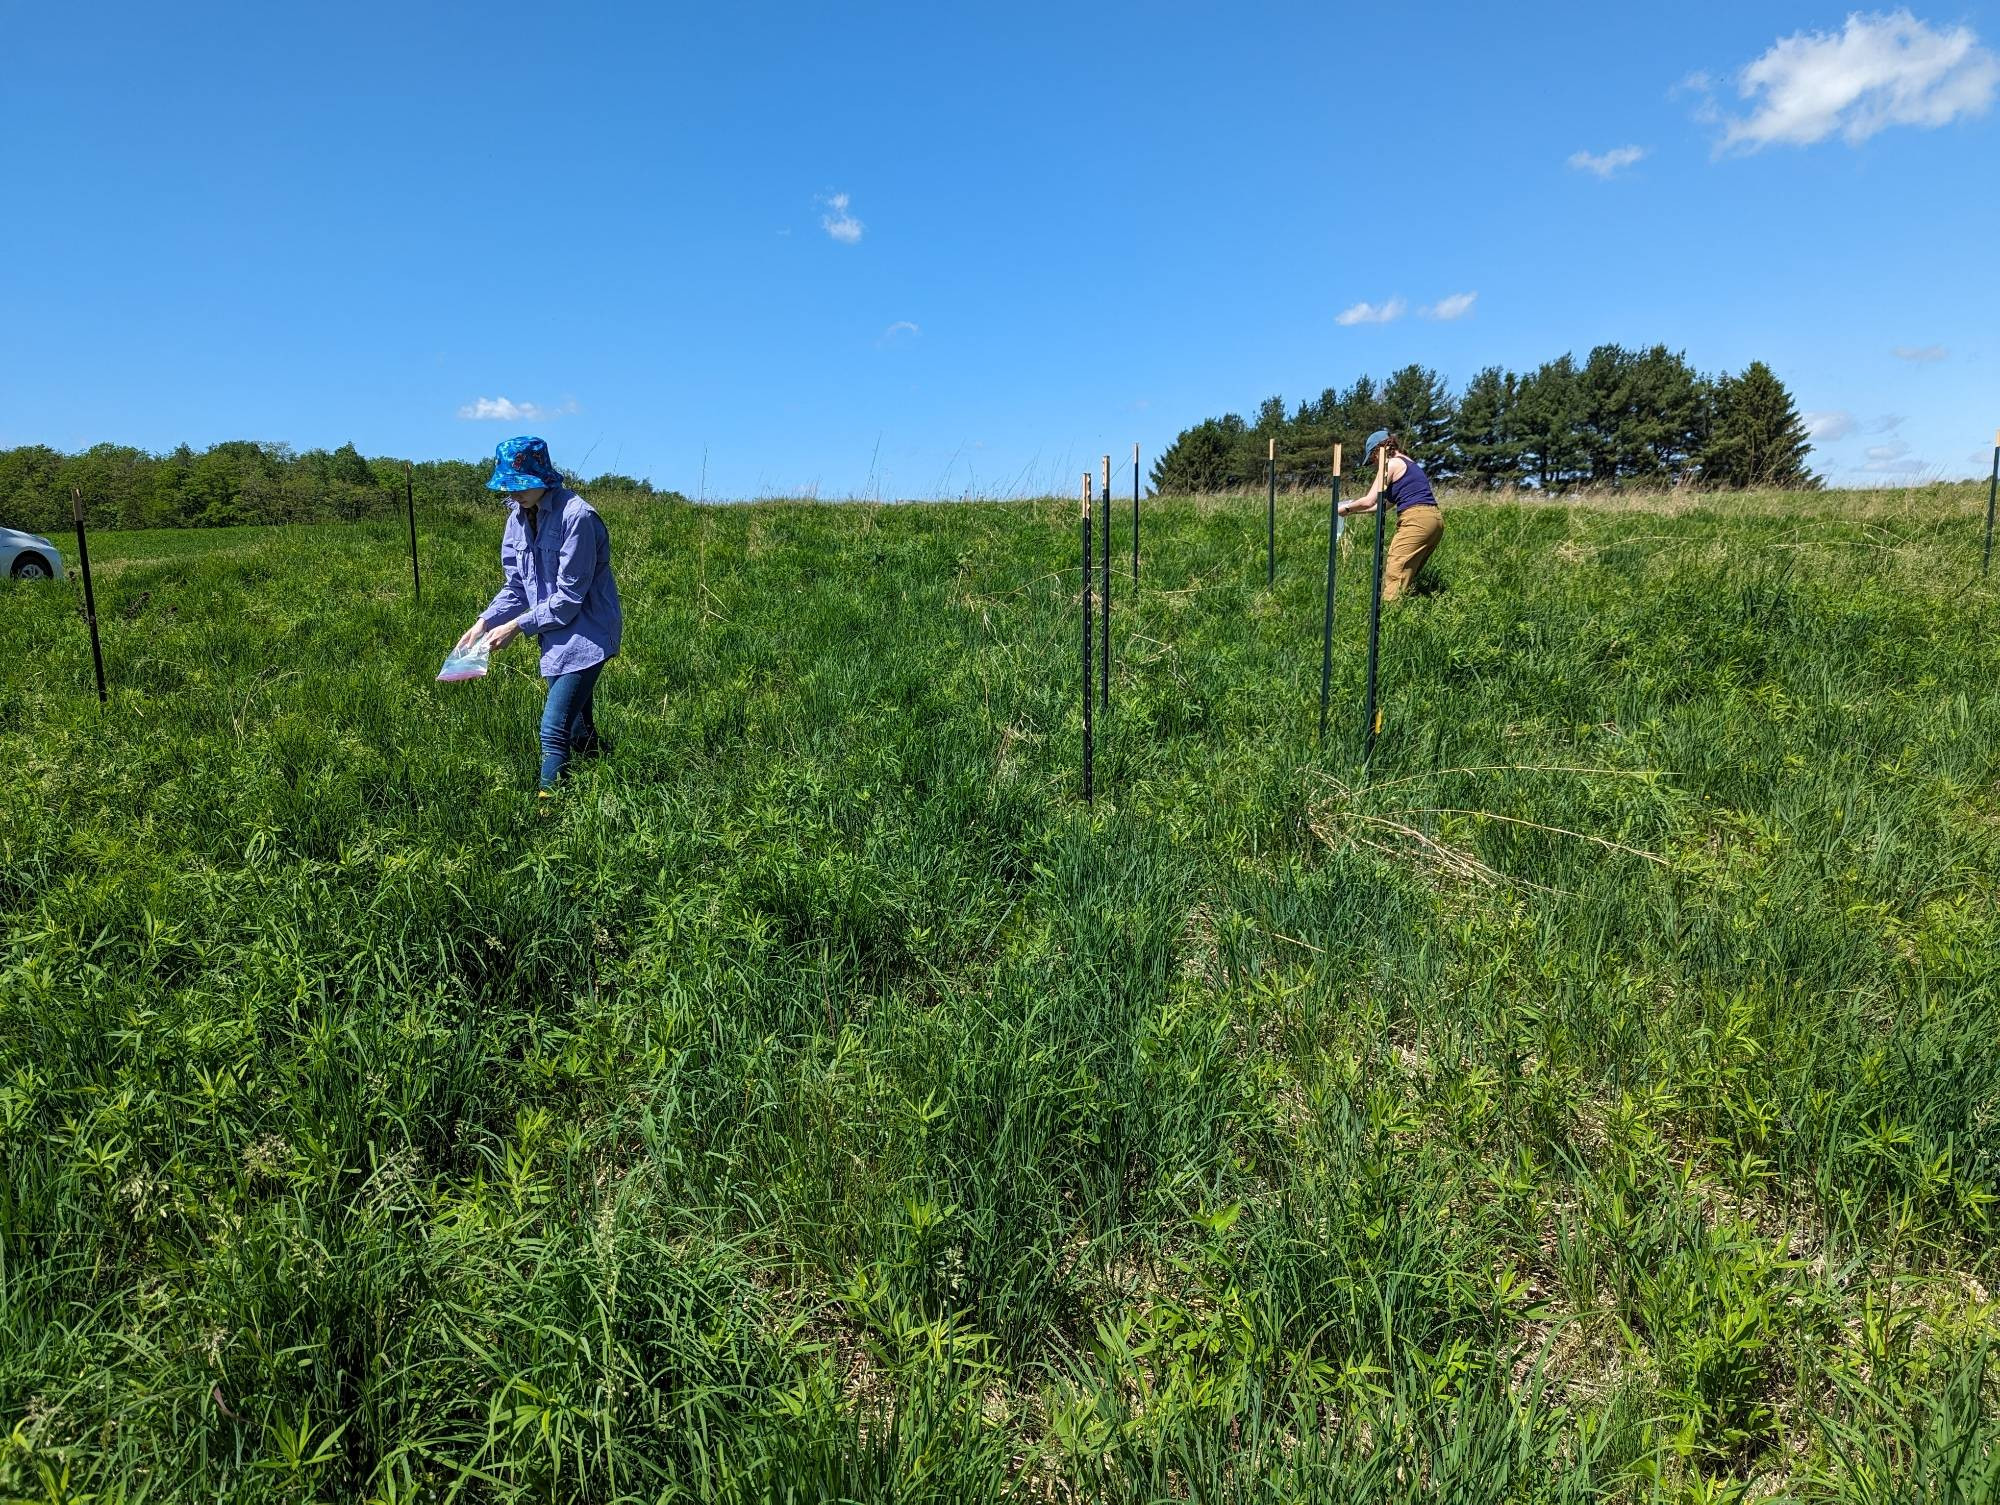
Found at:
(1271, 514)
(1332, 560)
(1104, 680)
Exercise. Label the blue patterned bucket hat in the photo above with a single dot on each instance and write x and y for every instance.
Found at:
(521, 465)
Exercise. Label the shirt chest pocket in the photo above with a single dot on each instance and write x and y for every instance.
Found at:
(547, 554)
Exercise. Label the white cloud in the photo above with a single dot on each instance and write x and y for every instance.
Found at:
(1828, 427)
(837, 222)
(1457, 306)
(1892, 459)
(1604, 164)
(1372, 313)
(1878, 71)
(1920, 353)
(504, 411)
(1888, 423)
(898, 333)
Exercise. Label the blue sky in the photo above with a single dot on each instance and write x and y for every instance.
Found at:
(929, 249)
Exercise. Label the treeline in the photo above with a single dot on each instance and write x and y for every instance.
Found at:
(1641, 418)
(237, 482)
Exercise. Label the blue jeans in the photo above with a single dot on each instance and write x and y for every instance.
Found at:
(567, 726)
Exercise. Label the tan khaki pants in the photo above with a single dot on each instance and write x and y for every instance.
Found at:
(1417, 533)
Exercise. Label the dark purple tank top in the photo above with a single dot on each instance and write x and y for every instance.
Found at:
(1414, 490)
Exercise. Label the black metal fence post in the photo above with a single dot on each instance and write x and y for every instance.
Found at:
(410, 503)
(89, 594)
(1104, 678)
(1332, 560)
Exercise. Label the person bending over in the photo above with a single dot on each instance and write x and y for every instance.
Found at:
(1419, 523)
(556, 586)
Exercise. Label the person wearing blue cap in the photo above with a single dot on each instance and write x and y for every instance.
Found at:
(1419, 523)
(556, 586)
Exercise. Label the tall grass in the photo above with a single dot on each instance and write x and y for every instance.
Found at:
(1597, 1097)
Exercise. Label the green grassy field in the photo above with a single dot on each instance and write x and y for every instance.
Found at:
(1598, 1098)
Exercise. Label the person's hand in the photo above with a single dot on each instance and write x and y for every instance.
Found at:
(471, 635)
(502, 635)
(1359, 504)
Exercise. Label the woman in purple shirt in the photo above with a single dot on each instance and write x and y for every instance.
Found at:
(1419, 523)
(556, 586)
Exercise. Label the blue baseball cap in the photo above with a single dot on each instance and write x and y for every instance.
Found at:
(521, 465)
(1375, 441)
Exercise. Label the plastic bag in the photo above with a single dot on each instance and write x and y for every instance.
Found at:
(466, 663)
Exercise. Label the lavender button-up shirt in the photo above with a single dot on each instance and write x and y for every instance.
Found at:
(558, 583)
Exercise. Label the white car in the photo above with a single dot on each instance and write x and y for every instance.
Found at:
(28, 556)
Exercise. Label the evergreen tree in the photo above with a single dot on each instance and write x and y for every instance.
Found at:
(1757, 438)
(1418, 407)
(1665, 421)
(1641, 417)
(1203, 459)
(1546, 426)
(1605, 404)
(1489, 450)
(1357, 413)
